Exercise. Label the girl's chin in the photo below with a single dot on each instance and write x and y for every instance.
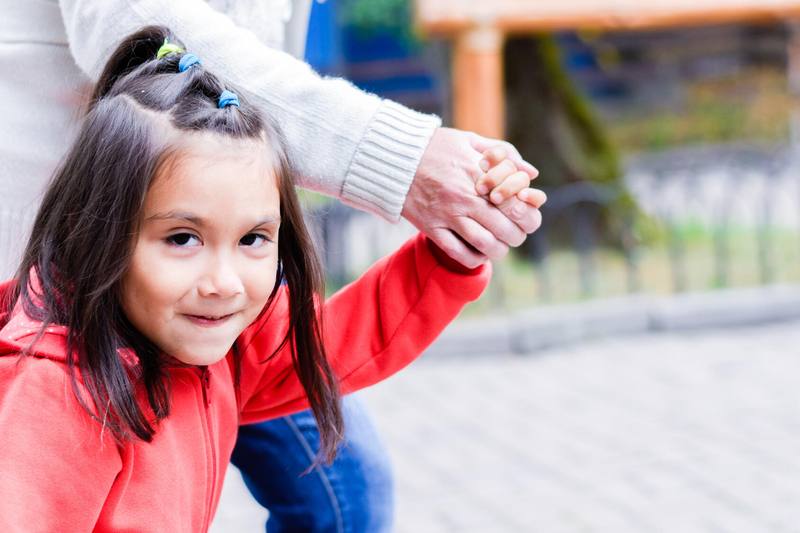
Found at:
(201, 359)
(202, 354)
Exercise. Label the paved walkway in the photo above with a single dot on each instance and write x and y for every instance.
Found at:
(677, 432)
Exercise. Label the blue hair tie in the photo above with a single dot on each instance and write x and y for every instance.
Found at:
(187, 61)
(228, 98)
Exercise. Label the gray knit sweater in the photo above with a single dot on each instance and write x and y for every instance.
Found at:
(343, 142)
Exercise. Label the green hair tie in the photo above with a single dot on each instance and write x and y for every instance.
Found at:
(168, 48)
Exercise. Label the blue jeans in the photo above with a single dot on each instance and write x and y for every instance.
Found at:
(352, 495)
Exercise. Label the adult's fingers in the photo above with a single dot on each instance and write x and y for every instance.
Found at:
(456, 248)
(534, 197)
(515, 156)
(492, 157)
(498, 223)
(525, 216)
(481, 238)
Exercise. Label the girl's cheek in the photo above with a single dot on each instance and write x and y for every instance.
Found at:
(262, 289)
(259, 285)
(162, 273)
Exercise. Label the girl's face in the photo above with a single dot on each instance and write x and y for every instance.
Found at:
(206, 255)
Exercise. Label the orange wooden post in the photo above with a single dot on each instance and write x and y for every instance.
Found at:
(478, 102)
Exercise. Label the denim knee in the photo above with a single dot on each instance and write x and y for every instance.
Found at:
(354, 494)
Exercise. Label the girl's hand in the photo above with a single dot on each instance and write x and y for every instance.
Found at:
(503, 180)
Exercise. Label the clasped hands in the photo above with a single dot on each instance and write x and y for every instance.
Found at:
(471, 195)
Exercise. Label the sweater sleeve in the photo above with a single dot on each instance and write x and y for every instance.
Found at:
(57, 466)
(342, 141)
(372, 328)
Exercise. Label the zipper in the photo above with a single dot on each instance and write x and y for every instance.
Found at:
(205, 387)
(205, 379)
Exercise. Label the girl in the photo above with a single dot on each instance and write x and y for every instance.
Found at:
(168, 294)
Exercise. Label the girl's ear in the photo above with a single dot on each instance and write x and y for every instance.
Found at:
(137, 49)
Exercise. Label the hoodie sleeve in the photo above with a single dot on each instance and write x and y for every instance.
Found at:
(343, 141)
(57, 469)
(372, 328)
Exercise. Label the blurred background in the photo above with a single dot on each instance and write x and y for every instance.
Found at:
(665, 144)
(632, 366)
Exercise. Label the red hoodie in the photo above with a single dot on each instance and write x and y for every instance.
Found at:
(59, 471)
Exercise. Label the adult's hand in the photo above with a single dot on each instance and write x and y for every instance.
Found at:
(442, 201)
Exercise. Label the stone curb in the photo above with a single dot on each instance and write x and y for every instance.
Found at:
(548, 326)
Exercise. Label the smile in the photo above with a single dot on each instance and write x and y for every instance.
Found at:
(208, 321)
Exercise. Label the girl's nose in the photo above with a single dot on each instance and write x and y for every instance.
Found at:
(221, 281)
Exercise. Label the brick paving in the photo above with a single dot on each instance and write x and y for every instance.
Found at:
(674, 432)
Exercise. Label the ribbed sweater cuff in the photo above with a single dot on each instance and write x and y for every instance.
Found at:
(387, 158)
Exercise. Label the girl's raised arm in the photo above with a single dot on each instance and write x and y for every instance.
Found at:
(372, 328)
(56, 465)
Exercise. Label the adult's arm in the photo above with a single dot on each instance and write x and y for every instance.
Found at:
(343, 141)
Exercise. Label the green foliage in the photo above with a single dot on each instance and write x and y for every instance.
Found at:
(369, 17)
(750, 105)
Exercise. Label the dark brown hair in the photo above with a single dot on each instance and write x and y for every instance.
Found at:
(84, 232)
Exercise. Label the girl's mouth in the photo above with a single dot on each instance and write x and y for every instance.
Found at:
(208, 321)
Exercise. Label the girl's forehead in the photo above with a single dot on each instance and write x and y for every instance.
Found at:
(192, 153)
(212, 149)
(215, 172)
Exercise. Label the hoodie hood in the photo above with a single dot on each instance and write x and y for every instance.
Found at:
(18, 331)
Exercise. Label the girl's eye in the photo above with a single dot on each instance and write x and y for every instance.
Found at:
(255, 240)
(183, 240)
